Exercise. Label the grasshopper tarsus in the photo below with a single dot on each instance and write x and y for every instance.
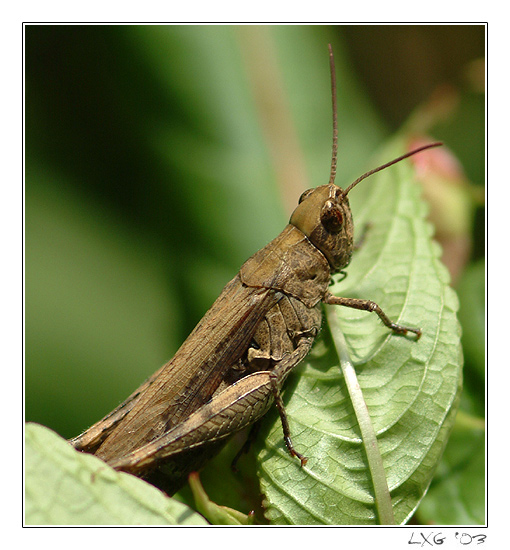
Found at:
(400, 329)
(294, 453)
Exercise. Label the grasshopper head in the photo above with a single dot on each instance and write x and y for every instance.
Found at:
(324, 216)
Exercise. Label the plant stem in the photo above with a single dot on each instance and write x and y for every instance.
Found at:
(375, 463)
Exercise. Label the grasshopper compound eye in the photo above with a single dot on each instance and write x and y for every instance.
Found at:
(332, 217)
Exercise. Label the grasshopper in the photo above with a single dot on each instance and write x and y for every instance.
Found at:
(231, 368)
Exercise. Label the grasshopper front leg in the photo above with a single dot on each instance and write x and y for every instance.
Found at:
(368, 305)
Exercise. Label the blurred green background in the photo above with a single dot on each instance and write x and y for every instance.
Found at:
(159, 158)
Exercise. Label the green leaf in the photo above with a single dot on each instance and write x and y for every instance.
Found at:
(65, 487)
(457, 494)
(471, 290)
(410, 387)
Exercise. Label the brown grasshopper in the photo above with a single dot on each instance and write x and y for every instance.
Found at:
(232, 366)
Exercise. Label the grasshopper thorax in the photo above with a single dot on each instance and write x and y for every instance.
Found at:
(324, 216)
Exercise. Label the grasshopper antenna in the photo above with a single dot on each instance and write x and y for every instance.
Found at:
(394, 161)
(334, 154)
